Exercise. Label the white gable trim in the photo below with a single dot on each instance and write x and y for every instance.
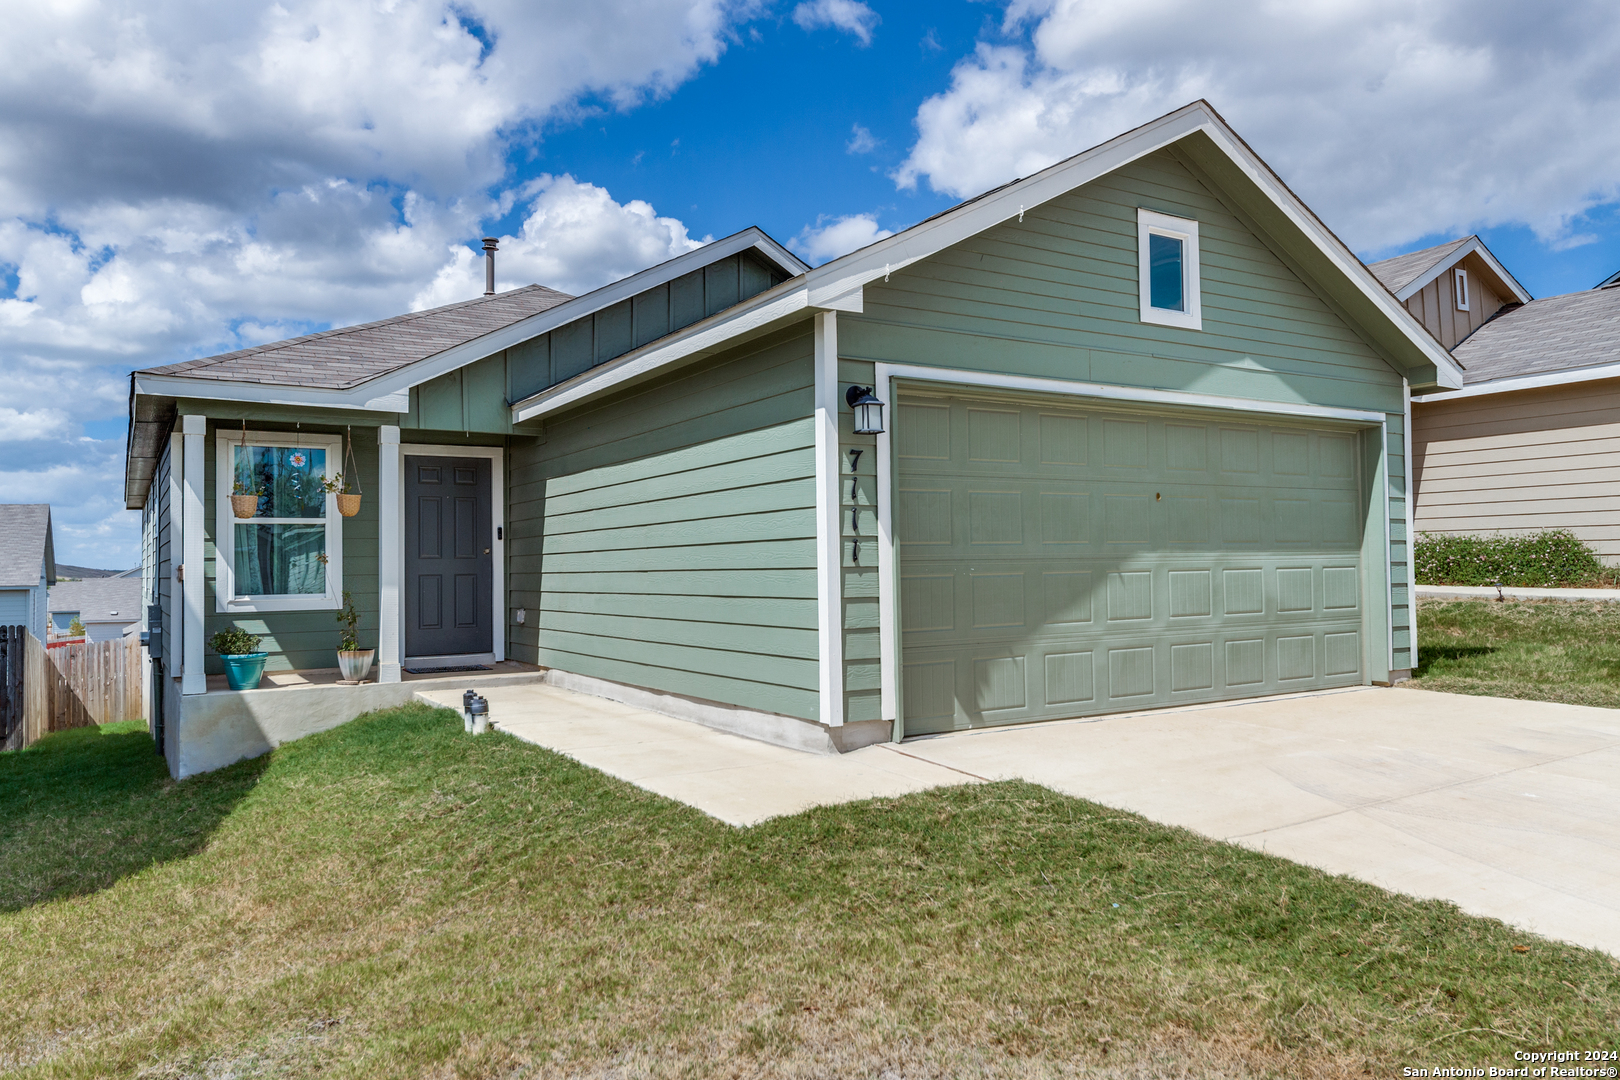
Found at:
(826, 286)
(1474, 246)
(391, 392)
(1526, 382)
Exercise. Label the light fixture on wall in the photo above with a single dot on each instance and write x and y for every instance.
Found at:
(868, 410)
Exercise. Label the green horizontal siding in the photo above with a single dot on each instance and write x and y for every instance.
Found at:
(302, 640)
(665, 538)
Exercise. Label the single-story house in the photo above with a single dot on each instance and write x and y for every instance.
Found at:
(1532, 439)
(27, 565)
(105, 606)
(1142, 442)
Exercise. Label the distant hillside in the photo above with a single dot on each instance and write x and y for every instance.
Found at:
(63, 570)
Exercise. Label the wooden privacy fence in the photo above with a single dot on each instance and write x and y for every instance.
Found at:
(44, 690)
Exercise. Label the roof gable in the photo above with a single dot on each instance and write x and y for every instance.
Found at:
(1196, 130)
(26, 550)
(1405, 275)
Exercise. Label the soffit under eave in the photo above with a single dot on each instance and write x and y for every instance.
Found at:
(1377, 326)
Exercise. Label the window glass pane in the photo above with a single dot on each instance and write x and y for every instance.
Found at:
(289, 476)
(63, 619)
(1164, 272)
(280, 560)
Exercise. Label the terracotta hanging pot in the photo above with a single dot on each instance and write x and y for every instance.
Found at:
(348, 503)
(245, 506)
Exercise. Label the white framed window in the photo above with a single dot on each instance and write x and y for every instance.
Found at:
(289, 555)
(1167, 269)
(1459, 285)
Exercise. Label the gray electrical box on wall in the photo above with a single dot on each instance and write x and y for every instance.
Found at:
(154, 631)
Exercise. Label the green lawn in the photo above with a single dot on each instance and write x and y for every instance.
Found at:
(1547, 650)
(393, 898)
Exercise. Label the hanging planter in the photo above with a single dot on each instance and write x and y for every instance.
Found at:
(348, 502)
(245, 492)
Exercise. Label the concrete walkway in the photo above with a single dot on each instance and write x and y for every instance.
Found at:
(1511, 592)
(1510, 809)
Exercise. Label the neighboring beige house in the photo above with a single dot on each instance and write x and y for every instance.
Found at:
(1532, 440)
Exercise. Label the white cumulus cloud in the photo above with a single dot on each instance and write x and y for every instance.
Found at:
(850, 16)
(1392, 120)
(179, 178)
(829, 238)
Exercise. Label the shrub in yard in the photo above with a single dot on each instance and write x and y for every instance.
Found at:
(1549, 559)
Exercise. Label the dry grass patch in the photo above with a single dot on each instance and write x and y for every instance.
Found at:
(395, 899)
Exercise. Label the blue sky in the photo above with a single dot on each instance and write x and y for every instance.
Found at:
(180, 178)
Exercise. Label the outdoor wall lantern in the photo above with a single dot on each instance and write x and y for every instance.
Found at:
(868, 410)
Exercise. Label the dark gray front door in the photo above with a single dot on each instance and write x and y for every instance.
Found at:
(449, 572)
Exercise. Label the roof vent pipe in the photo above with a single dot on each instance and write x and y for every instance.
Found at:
(490, 244)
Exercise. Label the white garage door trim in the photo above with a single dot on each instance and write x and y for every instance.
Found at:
(885, 375)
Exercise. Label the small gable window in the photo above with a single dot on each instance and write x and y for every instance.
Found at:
(1167, 257)
(1459, 283)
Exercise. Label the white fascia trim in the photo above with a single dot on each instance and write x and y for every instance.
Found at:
(1131, 394)
(391, 392)
(787, 300)
(1526, 382)
(824, 287)
(1475, 246)
(1446, 369)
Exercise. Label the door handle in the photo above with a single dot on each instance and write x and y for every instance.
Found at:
(486, 551)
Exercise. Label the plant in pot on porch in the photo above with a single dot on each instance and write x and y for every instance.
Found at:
(244, 663)
(353, 661)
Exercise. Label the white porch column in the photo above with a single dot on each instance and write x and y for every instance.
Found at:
(390, 555)
(829, 537)
(193, 679)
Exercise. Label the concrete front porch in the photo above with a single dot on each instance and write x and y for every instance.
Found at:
(210, 730)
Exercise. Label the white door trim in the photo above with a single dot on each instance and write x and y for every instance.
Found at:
(884, 376)
(497, 484)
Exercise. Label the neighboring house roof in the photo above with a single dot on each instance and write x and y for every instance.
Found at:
(1396, 273)
(1610, 281)
(66, 570)
(1197, 132)
(350, 355)
(1405, 274)
(26, 547)
(1551, 342)
(98, 600)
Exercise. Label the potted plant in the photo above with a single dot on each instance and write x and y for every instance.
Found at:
(245, 496)
(244, 663)
(353, 661)
(348, 502)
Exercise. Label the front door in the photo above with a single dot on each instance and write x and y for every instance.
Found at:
(449, 571)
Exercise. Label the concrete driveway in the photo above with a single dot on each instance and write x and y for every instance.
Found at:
(1510, 809)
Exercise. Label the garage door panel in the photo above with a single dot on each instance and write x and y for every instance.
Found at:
(1061, 562)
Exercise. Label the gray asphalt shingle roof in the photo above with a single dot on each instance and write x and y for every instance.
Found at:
(350, 355)
(98, 599)
(1402, 270)
(25, 544)
(1560, 333)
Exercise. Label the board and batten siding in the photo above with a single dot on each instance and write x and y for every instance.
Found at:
(1056, 296)
(1435, 305)
(1517, 462)
(664, 537)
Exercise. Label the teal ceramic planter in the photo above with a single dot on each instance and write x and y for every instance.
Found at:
(244, 672)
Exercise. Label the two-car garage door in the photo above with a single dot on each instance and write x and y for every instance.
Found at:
(1059, 561)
